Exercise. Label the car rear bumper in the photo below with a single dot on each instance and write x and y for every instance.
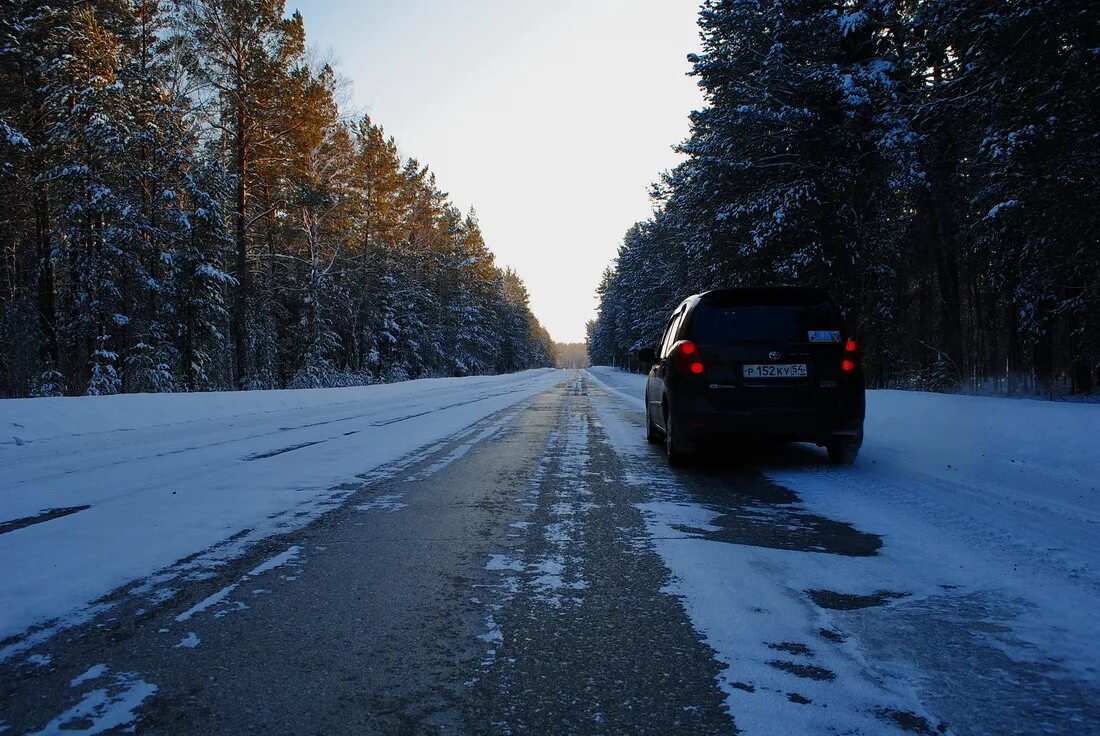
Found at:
(792, 425)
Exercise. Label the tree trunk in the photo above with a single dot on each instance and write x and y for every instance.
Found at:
(243, 292)
(944, 256)
(361, 317)
(47, 306)
(1043, 362)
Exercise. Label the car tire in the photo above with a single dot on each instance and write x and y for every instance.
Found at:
(676, 456)
(652, 434)
(843, 450)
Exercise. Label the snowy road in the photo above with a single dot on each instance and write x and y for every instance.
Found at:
(508, 555)
(144, 481)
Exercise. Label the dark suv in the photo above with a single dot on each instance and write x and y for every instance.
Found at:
(755, 363)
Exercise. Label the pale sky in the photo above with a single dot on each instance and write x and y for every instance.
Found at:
(550, 118)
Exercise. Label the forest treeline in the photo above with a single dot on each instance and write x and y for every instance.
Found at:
(933, 163)
(185, 206)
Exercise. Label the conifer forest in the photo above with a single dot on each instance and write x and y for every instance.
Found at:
(186, 205)
(934, 163)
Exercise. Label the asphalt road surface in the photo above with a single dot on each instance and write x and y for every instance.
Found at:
(524, 577)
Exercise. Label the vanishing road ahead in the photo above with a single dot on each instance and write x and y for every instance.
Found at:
(544, 571)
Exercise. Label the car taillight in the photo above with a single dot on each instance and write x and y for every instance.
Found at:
(688, 359)
(851, 355)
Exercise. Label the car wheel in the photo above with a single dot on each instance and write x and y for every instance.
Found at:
(843, 450)
(652, 434)
(676, 457)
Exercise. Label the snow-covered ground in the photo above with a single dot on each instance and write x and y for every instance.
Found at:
(136, 483)
(989, 516)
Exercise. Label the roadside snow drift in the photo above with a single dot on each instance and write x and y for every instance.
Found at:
(979, 607)
(1040, 454)
(96, 492)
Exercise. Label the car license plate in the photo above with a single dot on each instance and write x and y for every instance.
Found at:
(774, 370)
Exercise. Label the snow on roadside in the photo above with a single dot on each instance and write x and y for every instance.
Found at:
(987, 511)
(1040, 454)
(166, 476)
(1014, 478)
(34, 420)
(735, 602)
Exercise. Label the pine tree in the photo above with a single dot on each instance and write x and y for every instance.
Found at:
(244, 51)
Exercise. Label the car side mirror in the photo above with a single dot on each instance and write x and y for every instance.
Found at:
(647, 355)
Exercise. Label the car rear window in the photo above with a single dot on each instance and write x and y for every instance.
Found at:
(771, 323)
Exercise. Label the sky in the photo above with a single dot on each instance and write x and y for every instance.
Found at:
(551, 119)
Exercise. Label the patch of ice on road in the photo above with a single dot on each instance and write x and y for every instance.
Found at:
(287, 556)
(387, 502)
(550, 579)
(559, 533)
(39, 660)
(677, 515)
(503, 562)
(546, 578)
(551, 565)
(105, 709)
(544, 461)
(206, 602)
(573, 461)
(459, 452)
(92, 673)
(190, 641)
(562, 508)
(449, 459)
(278, 560)
(199, 575)
(552, 575)
(492, 634)
(232, 608)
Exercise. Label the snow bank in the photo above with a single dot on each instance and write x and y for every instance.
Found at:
(29, 420)
(1037, 452)
(987, 510)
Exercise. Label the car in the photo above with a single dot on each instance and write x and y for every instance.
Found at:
(748, 364)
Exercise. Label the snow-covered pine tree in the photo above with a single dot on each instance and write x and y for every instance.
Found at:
(243, 52)
(187, 209)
